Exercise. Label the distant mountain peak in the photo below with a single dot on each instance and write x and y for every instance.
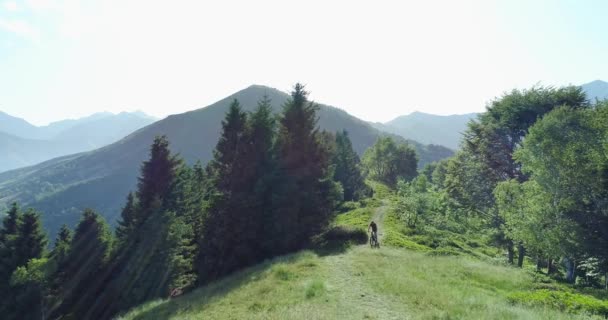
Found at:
(598, 81)
(597, 89)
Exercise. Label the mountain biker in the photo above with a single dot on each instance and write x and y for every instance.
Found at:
(374, 229)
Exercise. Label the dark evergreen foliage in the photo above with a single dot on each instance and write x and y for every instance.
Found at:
(306, 193)
(84, 274)
(128, 221)
(347, 169)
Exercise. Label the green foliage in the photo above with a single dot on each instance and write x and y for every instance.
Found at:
(128, 219)
(347, 169)
(35, 271)
(388, 161)
(358, 218)
(306, 193)
(565, 301)
(564, 155)
(84, 274)
(413, 200)
(30, 290)
(31, 240)
(156, 178)
(240, 209)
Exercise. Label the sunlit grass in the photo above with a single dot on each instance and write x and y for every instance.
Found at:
(362, 283)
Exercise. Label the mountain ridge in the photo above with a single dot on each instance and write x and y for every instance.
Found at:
(25, 144)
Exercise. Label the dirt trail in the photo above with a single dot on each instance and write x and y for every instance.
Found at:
(378, 217)
(350, 288)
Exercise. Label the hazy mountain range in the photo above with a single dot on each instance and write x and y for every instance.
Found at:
(23, 144)
(447, 130)
(429, 128)
(101, 179)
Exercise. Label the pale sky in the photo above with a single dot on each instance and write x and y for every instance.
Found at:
(375, 59)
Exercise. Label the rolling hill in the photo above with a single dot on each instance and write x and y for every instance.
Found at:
(24, 144)
(429, 128)
(101, 179)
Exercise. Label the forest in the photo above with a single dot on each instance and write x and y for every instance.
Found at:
(530, 183)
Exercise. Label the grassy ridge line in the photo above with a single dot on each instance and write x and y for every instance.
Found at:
(361, 283)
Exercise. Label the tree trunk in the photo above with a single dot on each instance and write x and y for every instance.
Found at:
(510, 252)
(521, 251)
(538, 264)
(549, 266)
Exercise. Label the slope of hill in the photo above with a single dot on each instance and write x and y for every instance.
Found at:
(597, 89)
(429, 128)
(20, 152)
(101, 179)
(25, 144)
(17, 127)
(361, 283)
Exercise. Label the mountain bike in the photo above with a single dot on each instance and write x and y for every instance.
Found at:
(373, 240)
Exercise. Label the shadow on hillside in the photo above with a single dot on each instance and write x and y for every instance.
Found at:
(200, 298)
(338, 240)
(332, 249)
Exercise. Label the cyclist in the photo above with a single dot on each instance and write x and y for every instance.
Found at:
(374, 229)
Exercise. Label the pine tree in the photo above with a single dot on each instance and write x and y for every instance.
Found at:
(127, 221)
(157, 175)
(62, 245)
(86, 266)
(261, 133)
(347, 168)
(306, 192)
(219, 230)
(225, 153)
(8, 235)
(31, 239)
(8, 256)
(143, 265)
(10, 224)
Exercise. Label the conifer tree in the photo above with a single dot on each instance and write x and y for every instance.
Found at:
(8, 256)
(8, 236)
(142, 267)
(306, 192)
(347, 169)
(10, 224)
(157, 175)
(86, 267)
(220, 225)
(62, 245)
(127, 221)
(31, 240)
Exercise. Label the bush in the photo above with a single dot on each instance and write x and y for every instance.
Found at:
(397, 239)
(348, 206)
(340, 236)
(565, 301)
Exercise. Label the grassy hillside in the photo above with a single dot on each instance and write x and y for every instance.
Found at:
(359, 284)
(403, 279)
(101, 179)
